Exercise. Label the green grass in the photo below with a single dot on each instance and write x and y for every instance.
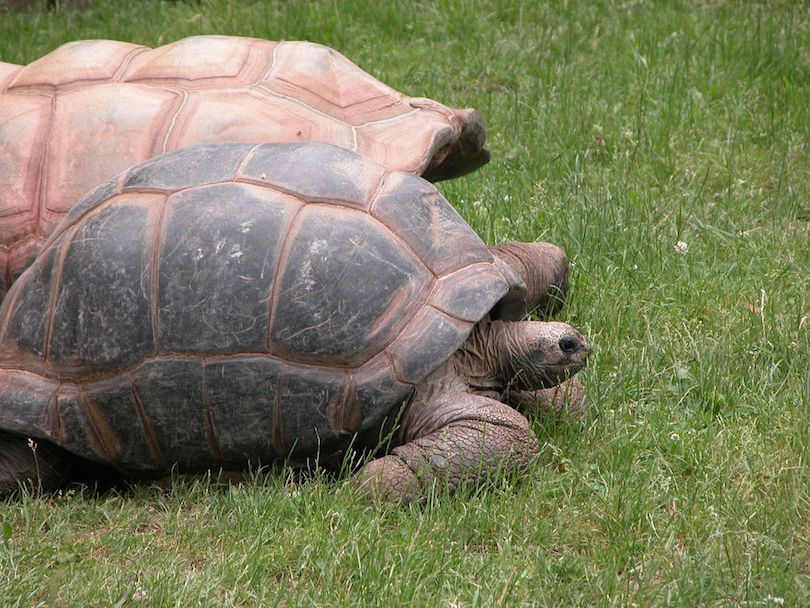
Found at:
(618, 129)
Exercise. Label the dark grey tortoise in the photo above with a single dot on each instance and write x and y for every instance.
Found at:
(236, 303)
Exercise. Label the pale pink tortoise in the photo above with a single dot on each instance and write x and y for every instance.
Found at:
(88, 110)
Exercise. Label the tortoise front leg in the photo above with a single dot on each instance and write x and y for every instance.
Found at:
(567, 398)
(460, 441)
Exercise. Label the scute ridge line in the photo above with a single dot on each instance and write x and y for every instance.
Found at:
(154, 268)
(248, 157)
(283, 251)
(173, 121)
(146, 426)
(118, 74)
(271, 62)
(92, 416)
(42, 180)
(56, 283)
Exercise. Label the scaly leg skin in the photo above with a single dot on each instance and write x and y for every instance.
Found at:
(470, 438)
(23, 461)
(567, 398)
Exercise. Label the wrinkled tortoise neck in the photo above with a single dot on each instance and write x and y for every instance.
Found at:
(484, 359)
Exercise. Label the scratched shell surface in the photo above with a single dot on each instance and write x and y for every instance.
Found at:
(230, 302)
(81, 114)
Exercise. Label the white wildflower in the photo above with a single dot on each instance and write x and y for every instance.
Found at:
(681, 247)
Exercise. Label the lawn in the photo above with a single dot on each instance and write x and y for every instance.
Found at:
(666, 147)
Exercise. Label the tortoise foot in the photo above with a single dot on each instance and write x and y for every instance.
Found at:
(475, 439)
(388, 481)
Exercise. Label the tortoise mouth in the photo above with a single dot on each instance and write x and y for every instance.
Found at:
(551, 375)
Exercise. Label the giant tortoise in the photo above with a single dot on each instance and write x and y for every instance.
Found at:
(88, 110)
(235, 303)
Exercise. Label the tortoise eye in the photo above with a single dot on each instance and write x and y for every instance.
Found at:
(568, 344)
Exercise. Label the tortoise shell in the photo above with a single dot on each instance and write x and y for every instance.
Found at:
(237, 301)
(81, 114)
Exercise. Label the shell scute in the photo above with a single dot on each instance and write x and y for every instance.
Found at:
(171, 393)
(462, 295)
(377, 393)
(423, 130)
(323, 77)
(311, 403)
(236, 115)
(430, 339)
(24, 123)
(242, 395)
(414, 209)
(74, 430)
(315, 172)
(27, 325)
(34, 398)
(188, 167)
(203, 61)
(102, 316)
(121, 439)
(79, 61)
(217, 267)
(346, 287)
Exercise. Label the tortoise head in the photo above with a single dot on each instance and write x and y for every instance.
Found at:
(537, 354)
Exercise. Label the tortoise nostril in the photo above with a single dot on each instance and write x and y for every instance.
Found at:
(568, 344)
